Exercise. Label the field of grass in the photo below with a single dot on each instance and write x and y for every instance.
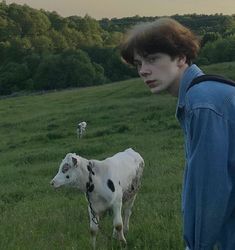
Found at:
(37, 131)
(226, 69)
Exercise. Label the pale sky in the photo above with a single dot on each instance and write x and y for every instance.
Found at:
(126, 8)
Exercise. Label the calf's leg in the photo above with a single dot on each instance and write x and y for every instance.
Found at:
(117, 221)
(127, 213)
(93, 227)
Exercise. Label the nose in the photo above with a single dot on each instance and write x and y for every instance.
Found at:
(144, 70)
(52, 182)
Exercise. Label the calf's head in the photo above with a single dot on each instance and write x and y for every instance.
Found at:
(68, 170)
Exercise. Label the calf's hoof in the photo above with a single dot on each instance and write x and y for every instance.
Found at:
(123, 242)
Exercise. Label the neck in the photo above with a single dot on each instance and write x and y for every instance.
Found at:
(174, 88)
(83, 175)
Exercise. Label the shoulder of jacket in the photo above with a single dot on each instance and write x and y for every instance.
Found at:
(209, 94)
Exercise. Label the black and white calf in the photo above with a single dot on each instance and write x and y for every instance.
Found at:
(109, 183)
(81, 129)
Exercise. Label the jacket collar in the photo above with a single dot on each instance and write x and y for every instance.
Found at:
(190, 73)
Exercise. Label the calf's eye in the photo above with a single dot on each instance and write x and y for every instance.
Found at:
(67, 176)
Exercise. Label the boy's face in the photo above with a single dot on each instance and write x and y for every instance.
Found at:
(160, 72)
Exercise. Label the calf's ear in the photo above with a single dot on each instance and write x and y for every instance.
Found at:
(75, 161)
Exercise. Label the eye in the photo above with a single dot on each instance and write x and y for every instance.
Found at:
(137, 63)
(151, 59)
(65, 168)
(67, 176)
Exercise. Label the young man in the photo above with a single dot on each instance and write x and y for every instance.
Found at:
(163, 52)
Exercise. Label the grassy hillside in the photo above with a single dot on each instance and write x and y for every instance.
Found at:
(226, 69)
(37, 131)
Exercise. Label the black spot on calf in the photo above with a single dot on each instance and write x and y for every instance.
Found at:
(90, 187)
(111, 185)
(89, 168)
(90, 179)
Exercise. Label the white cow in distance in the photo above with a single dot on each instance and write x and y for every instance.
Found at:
(81, 129)
(108, 184)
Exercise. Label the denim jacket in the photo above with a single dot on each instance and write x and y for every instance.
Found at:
(206, 113)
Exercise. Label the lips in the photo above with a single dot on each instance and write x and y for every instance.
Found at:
(150, 83)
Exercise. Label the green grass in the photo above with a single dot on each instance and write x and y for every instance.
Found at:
(37, 131)
(226, 69)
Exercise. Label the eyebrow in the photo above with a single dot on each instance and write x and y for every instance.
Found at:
(136, 60)
(152, 55)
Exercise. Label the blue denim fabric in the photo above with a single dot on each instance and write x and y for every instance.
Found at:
(207, 116)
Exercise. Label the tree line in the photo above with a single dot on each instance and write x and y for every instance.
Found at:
(41, 50)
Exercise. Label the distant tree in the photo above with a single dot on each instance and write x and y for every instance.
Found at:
(229, 32)
(41, 44)
(29, 21)
(69, 69)
(77, 69)
(48, 73)
(13, 77)
(225, 50)
(57, 22)
(59, 42)
(4, 50)
(73, 38)
(3, 28)
(210, 37)
(202, 61)
(90, 28)
(99, 74)
(57, 52)
(110, 60)
(8, 28)
(32, 61)
(18, 49)
(111, 39)
(222, 50)
(226, 23)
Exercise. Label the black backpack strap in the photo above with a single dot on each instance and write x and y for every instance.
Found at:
(215, 78)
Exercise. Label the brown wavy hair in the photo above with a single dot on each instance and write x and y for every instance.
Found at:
(165, 35)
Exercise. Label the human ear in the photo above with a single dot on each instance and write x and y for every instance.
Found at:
(181, 60)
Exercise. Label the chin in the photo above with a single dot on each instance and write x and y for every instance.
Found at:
(155, 90)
